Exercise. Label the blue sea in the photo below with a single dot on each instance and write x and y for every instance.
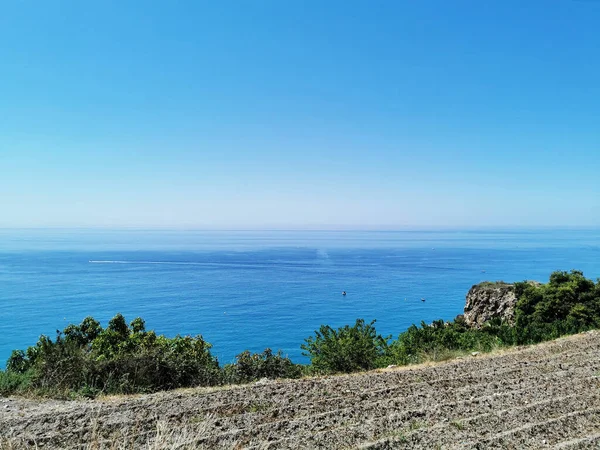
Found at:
(256, 289)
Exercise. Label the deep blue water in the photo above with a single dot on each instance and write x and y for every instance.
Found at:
(251, 290)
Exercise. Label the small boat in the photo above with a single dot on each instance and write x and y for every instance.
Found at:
(422, 299)
(344, 293)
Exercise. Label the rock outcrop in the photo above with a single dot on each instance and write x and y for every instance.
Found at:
(487, 301)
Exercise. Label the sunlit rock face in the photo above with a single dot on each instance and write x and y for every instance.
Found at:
(486, 301)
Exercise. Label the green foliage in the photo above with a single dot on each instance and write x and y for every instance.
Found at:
(88, 359)
(498, 283)
(254, 366)
(17, 362)
(14, 383)
(347, 349)
(84, 333)
(427, 342)
(569, 303)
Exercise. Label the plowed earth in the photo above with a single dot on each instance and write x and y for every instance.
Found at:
(544, 396)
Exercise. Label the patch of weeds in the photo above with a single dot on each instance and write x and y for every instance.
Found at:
(401, 438)
(416, 425)
(84, 392)
(258, 407)
(14, 383)
(458, 424)
(198, 419)
(228, 411)
(398, 436)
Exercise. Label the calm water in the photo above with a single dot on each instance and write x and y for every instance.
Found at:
(249, 290)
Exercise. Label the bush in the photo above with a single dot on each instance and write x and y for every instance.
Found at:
(254, 366)
(428, 342)
(119, 359)
(14, 383)
(569, 303)
(347, 349)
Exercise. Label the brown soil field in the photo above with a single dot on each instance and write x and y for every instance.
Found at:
(543, 396)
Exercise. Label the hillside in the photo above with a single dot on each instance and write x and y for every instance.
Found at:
(544, 396)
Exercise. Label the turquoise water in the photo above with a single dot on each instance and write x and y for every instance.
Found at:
(256, 289)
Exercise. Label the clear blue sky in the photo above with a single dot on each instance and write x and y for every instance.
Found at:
(286, 114)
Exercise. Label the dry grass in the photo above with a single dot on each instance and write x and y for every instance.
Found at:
(164, 436)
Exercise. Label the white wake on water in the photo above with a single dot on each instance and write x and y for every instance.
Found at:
(185, 263)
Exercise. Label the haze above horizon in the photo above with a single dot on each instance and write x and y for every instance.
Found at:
(309, 114)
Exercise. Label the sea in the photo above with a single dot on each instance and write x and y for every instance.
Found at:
(249, 290)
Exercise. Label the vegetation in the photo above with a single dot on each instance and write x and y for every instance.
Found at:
(88, 360)
(255, 366)
(569, 303)
(347, 349)
(442, 340)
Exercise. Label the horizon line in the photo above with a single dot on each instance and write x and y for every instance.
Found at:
(316, 228)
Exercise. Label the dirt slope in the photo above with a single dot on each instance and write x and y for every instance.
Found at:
(546, 396)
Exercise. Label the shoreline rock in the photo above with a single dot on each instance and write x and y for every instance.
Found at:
(487, 300)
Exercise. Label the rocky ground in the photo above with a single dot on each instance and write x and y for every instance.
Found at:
(546, 396)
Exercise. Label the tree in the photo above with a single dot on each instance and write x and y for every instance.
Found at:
(347, 349)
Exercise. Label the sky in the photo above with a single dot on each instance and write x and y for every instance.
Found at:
(300, 114)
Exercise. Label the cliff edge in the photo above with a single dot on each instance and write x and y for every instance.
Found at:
(486, 301)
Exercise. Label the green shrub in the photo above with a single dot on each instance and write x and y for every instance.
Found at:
(569, 303)
(427, 342)
(18, 362)
(119, 359)
(347, 349)
(254, 366)
(14, 383)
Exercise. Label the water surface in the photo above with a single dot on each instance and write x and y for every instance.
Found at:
(256, 289)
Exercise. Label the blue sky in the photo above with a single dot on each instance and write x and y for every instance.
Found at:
(293, 114)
